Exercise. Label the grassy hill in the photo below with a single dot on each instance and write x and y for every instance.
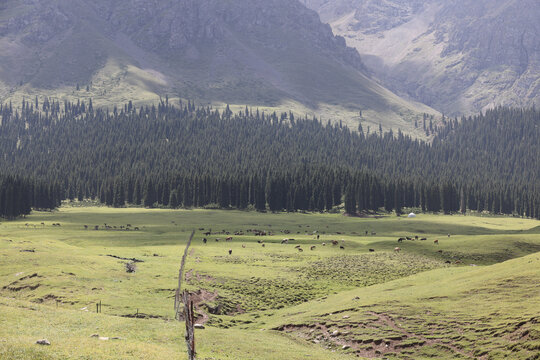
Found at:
(482, 313)
(269, 302)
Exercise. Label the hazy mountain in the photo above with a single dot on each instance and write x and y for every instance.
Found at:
(455, 55)
(273, 53)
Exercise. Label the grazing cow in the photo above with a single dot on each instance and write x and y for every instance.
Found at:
(397, 249)
(313, 247)
(342, 247)
(217, 240)
(416, 237)
(400, 240)
(243, 246)
(323, 244)
(373, 233)
(436, 242)
(423, 239)
(136, 228)
(371, 250)
(204, 240)
(208, 233)
(334, 242)
(85, 227)
(230, 251)
(96, 227)
(300, 250)
(285, 241)
(447, 262)
(439, 251)
(229, 238)
(408, 238)
(263, 245)
(297, 247)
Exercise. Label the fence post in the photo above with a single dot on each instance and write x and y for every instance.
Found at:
(185, 298)
(190, 320)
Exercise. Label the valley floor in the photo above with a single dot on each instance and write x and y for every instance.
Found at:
(474, 294)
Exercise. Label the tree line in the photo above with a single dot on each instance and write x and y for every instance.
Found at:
(185, 155)
(19, 195)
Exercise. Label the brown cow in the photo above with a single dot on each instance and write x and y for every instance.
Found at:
(229, 238)
(436, 242)
(313, 247)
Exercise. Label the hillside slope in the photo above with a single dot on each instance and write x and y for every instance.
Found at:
(273, 54)
(463, 313)
(457, 56)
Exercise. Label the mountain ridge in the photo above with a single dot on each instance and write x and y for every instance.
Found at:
(460, 57)
(274, 54)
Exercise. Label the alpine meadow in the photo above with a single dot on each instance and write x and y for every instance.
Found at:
(269, 179)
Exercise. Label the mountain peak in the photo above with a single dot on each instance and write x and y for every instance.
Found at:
(267, 53)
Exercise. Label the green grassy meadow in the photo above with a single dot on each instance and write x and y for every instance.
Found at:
(476, 294)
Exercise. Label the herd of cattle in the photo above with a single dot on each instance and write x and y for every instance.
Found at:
(299, 247)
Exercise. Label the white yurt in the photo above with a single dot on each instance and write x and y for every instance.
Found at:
(412, 215)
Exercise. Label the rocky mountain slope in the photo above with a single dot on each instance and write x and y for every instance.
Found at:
(266, 53)
(459, 56)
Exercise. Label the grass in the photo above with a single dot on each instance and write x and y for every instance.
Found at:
(268, 302)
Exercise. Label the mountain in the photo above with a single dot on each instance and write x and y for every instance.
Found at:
(264, 53)
(458, 56)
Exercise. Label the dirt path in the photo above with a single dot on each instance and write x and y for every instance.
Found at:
(200, 297)
(387, 320)
(372, 348)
